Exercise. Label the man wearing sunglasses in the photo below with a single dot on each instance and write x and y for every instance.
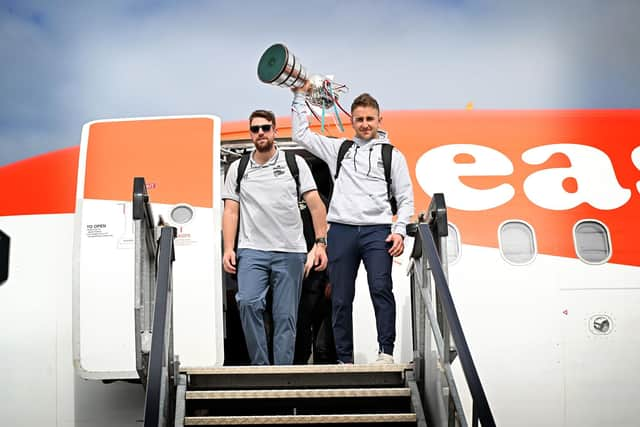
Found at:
(360, 216)
(261, 208)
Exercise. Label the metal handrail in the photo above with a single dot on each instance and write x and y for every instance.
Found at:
(145, 248)
(159, 405)
(442, 317)
(5, 241)
(155, 360)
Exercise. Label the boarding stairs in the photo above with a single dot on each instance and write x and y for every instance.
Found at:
(364, 394)
(307, 394)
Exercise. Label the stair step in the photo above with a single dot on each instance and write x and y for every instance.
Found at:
(303, 419)
(295, 369)
(299, 393)
(297, 376)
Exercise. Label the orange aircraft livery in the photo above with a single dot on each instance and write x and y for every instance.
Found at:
(549, 169)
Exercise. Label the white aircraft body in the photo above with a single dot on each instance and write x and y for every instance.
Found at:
(543, 260)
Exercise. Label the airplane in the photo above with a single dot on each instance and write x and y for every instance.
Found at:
(542, 259)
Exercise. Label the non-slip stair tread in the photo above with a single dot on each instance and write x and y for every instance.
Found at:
(299, 393)
(302, 419)
(294, 369)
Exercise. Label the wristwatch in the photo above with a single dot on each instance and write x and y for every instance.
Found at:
(321, 240)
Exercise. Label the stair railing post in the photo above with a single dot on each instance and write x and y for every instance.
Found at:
(419, 337)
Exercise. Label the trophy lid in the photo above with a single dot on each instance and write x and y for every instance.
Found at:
(272, 62)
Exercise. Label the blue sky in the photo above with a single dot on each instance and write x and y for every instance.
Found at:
(65, 63)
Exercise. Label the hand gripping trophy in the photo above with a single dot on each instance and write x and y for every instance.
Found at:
(278, 66)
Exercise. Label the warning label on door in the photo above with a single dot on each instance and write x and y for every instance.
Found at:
(98, 230)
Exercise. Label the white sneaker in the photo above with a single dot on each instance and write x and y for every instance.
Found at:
(384, 359)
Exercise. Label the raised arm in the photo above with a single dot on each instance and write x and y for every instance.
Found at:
(322, 146)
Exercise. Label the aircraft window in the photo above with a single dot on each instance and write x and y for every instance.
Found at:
(517, 242)
(592, 242)
(453, 244)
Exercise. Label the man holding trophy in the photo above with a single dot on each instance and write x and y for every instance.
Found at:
(360, 218)
(366, 182)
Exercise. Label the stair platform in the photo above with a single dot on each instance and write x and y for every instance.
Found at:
(298, 376)
(298, 369)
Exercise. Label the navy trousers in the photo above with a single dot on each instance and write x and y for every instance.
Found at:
(347, 246)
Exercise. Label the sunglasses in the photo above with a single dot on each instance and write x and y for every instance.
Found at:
(256, 129)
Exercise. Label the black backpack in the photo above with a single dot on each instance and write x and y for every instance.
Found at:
(387, 149)
(289, 156)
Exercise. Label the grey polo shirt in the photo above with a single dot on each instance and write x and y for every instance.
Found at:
(269, 214)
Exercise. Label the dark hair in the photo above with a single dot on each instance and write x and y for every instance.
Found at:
(265, 114)
(365, 100)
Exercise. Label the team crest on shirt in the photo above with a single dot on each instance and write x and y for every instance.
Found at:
(278, 170)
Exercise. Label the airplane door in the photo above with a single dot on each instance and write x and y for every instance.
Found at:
(178, 157)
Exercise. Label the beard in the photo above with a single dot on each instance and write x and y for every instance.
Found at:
(264, 146)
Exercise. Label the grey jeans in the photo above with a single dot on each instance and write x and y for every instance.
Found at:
(257, 270)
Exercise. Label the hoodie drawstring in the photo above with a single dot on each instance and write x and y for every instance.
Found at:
(370, 151)
(355, 153)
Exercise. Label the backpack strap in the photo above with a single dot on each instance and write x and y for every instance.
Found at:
(344, 147)
(290, 157)
(242, 167)
(387, 150)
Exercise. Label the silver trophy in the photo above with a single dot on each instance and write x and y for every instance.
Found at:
(279, 67)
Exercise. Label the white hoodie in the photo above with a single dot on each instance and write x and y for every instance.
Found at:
(360, 192)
